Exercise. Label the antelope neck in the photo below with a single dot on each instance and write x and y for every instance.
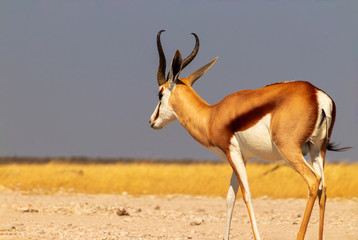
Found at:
(192, 112)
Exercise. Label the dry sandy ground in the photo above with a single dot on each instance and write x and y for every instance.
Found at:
(83, 216)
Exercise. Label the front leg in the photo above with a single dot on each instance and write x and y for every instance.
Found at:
(230, 202)
(238, 165)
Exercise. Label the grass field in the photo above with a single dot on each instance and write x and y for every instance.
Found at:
(273, 180)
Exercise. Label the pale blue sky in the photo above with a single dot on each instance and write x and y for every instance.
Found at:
(78, 78)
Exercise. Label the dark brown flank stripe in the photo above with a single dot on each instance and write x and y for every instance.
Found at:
(250, 118)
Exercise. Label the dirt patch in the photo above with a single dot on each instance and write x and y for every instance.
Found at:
(83, 216)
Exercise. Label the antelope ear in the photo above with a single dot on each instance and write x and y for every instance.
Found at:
(200, 72)
(175, 69)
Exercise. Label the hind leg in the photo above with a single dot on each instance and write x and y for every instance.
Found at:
(294, 157)
(322, 208)
(317, 154)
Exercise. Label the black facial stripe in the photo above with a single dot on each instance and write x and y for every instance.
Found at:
(157, 115)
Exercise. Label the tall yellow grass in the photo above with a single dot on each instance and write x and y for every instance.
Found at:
(274, 180)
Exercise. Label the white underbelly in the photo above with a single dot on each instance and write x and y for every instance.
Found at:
(256, 141)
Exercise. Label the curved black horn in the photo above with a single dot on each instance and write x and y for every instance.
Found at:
(162, 61)
(192, 55)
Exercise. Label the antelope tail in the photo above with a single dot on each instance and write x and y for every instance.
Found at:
(331, 146)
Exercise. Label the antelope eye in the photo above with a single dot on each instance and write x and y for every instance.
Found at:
(160, 96)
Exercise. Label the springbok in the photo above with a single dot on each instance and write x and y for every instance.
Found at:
(280, 121)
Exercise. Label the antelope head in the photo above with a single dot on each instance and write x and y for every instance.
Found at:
(164, 113)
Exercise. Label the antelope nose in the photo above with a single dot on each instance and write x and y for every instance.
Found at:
(151, 124)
